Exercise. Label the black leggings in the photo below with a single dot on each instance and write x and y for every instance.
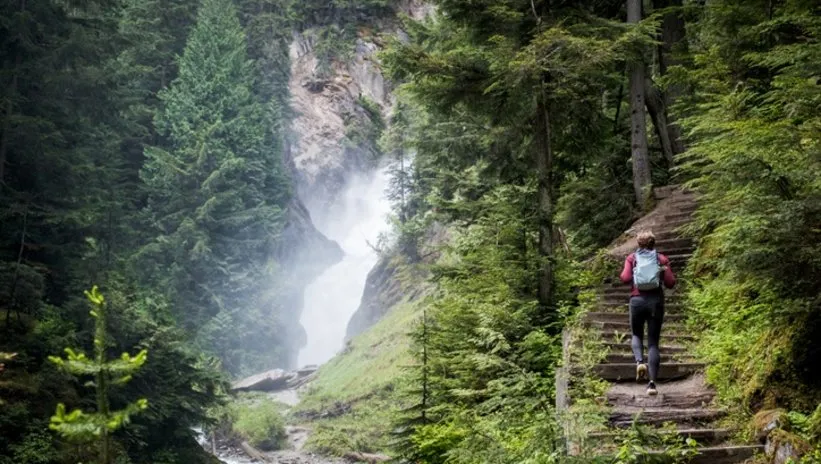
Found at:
(649, 309)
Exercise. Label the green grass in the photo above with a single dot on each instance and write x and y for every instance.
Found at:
(364, 378)
(365, 428)
(372, 361)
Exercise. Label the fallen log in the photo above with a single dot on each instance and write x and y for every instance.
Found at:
(254, 453)
(366, 457)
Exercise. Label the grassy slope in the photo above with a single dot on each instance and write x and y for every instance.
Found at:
(364, 377)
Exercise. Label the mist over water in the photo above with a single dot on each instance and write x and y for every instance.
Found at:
(356, 219)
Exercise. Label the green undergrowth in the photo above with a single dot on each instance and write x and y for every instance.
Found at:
(357, 387)
(587, 412)
(363, 427)
(252, 417)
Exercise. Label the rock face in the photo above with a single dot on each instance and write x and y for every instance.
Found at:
(324, 153)
(324, 156)
(384, 287)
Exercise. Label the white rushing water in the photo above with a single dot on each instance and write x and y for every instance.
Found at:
(356, 219)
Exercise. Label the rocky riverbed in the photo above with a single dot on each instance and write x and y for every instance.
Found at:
(282, 387)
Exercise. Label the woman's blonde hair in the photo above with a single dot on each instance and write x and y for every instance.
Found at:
(646, 239)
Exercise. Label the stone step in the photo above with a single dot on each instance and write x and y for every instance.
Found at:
(677, 216)
(625, 290)
(624, 335)
(671, 228)
(620, 305)
(598, 316)
(621, 372)
(674, 242)
(667, 398)
(704, 436)
(667, 191)
(625, 416)
(615, 283)
(726, 454)
(671, 231)
(685, 206)
(624, 347)
(669, 251)
(667, 327)
(627, 357)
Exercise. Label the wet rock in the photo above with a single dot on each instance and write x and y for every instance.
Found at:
(384, 287)
(275, 379)
(783, 447)
(382, 290)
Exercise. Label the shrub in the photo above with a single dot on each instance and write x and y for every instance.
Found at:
(259, 422)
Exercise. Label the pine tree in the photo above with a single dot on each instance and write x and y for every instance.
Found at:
(216, 195)
(97, 427)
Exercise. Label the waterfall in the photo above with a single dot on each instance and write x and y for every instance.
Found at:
(355, 221)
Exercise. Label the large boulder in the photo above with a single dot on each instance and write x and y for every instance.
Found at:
(275, 379)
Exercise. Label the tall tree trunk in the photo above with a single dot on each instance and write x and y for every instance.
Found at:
(425, 393)
(16, 278)
(4, 136)
(619, 99)
(673, 31)
(403, 208)
(544, 168)
(658, 113)
(638, 130)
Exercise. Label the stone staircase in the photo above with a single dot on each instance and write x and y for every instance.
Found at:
(684, 399)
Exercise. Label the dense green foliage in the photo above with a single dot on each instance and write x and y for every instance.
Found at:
(216, 197)
(104, 109)
(487, 369)
(744, 83)
(479, 91)
(753, 118)
(69, 152)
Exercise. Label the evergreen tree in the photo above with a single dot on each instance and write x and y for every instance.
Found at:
(492, 79)
(216, 195)
(98, 426)
(153, 34)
